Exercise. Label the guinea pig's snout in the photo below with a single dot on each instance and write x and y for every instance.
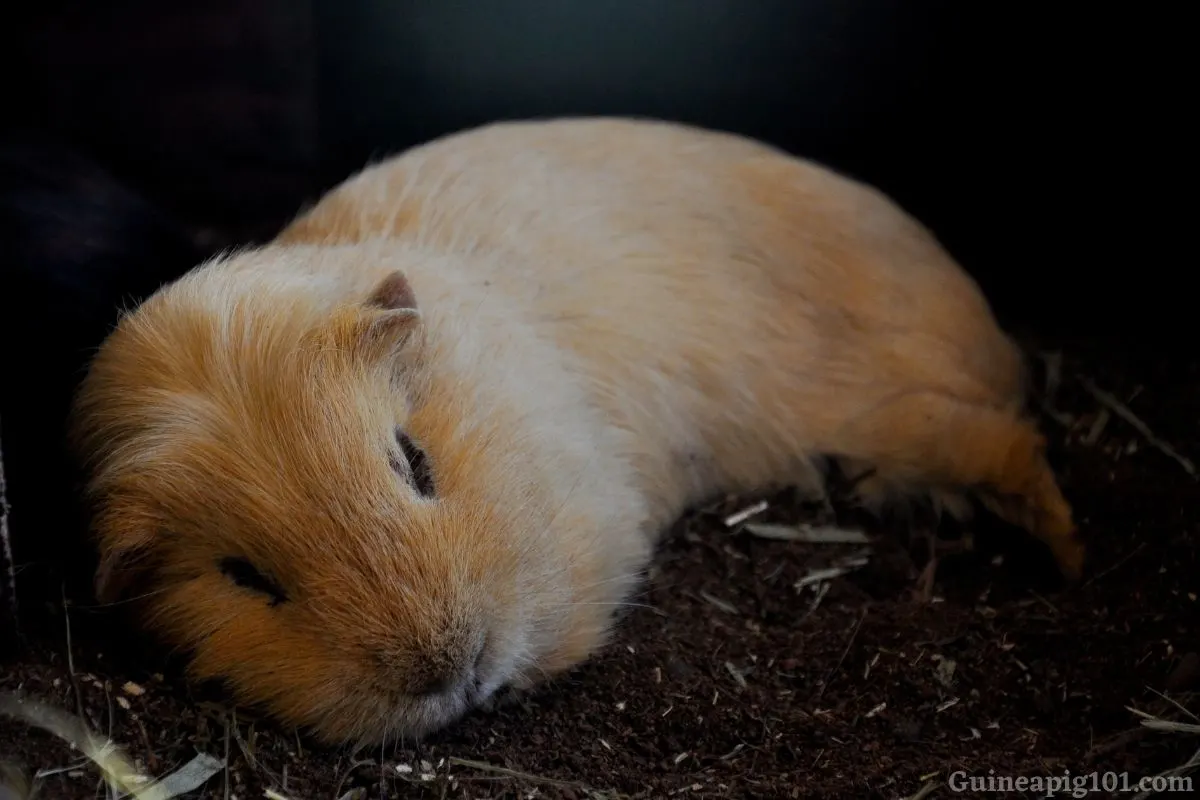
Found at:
(436, 683)
(450, 670)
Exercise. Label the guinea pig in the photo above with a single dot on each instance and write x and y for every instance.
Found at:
(421, 445)
(76, 245)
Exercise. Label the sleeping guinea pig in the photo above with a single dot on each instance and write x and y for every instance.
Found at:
(420, 446)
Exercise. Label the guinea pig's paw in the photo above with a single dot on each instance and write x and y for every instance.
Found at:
(952, 503)
(861, 484)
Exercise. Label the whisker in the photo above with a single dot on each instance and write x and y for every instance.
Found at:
(126, 601)
(567, 499)
(619, 604)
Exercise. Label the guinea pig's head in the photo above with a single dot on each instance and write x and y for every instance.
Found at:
(291, 505)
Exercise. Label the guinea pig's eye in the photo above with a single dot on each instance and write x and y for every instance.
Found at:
(415, 467)
(247, 576)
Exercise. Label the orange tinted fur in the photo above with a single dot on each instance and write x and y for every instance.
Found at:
(613, 320)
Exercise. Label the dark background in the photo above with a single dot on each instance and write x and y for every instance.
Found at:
(1035, 139)
(1021, 132)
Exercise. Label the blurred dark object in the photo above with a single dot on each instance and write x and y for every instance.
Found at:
(139, 137)
(8, 582)
(76, 246)
(206, 105)
(1027, 136)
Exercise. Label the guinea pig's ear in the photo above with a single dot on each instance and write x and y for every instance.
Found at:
(391, 315)
(394, 293)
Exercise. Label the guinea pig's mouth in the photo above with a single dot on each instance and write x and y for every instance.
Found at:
(495, 686)
(424, 716)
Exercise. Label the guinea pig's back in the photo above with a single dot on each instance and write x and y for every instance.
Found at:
(715, 290)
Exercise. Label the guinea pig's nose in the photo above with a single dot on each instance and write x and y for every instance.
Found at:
(434, 684)
(442, 673)
(446, 676)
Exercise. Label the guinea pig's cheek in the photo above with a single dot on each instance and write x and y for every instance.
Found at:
(179, 611)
